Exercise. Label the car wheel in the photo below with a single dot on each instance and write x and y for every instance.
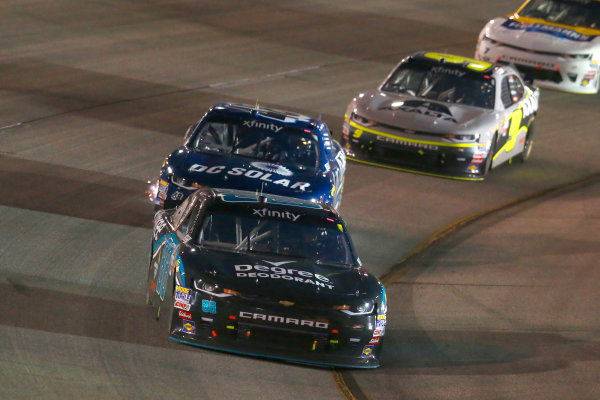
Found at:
(488, 160)
(524, 155)
(149, 277)
(164, 314)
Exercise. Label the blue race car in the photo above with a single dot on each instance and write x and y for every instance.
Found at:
(237, 146)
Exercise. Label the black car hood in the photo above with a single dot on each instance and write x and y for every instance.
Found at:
(280, 278)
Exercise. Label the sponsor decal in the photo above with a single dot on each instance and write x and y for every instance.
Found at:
(251, 174)
(283, 320)
(433, 110)
(182, 305)
(273, 168)
(185, 297)
(380, 324)
(184, 314)
(326, 139)
(378, 332)
(587, 78)
(263, 125)
(530, 105)
(182, 289)
(367, 351)
(159, 225)
(189, 326)
(448, 71)
(177, 195)
(163, 187)
(478, 157)
(405, 143)
(522, 60)
(558, 31)
(340, 158)
(374, 340)
(209, 306)
(277, 272)
(265, 212)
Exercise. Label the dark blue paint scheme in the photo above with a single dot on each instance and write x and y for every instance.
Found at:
(188, 168)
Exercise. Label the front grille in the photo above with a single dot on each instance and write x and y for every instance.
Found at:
(282, 337)
(412, 158)
(544, 53)
(540, 74)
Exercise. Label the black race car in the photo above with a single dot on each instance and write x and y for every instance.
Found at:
(267, 276)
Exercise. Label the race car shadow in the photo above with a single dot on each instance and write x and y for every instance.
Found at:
(72, 313)
(481, 352)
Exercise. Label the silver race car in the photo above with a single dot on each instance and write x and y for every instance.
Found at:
(443, 115)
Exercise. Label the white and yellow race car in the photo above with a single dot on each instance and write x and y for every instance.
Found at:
(555, 43)
(443, 115)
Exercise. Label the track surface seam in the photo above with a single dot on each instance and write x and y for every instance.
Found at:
(343, 378)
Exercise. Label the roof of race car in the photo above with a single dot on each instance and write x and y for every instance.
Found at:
(286, 118)
(450, 60)
(245, 198)
(591, 31)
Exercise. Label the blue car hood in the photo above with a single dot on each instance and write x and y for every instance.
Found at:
(236, 172)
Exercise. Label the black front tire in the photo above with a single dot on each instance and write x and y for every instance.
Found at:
(524, 155)
(165, 311)
(488, 160)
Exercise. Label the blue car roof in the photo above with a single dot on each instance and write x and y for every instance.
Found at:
(285, 118)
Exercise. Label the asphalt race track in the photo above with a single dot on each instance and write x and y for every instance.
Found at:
(93, 95)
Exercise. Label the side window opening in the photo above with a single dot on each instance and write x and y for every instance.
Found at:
(512, 90)
(516, 88)
(505, 94)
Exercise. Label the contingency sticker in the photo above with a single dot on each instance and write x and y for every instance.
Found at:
(367, 351)
(189, 326)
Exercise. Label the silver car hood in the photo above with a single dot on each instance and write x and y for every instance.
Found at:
(540, 37)
(418, 114)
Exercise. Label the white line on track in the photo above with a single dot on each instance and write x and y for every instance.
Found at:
(246, 81)
(11, 126)
(238, 82)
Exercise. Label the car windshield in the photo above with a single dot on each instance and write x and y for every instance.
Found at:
(443, 84)
(322, 241)
(582, 13)
(260, 140)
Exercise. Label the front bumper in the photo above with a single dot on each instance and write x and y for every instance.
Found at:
(236, 325)
(550, 71)
(463, 161)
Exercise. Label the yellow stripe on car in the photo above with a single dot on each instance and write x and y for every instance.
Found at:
(476, 65)
(401, 138)
(578, 29)
(460, 178)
